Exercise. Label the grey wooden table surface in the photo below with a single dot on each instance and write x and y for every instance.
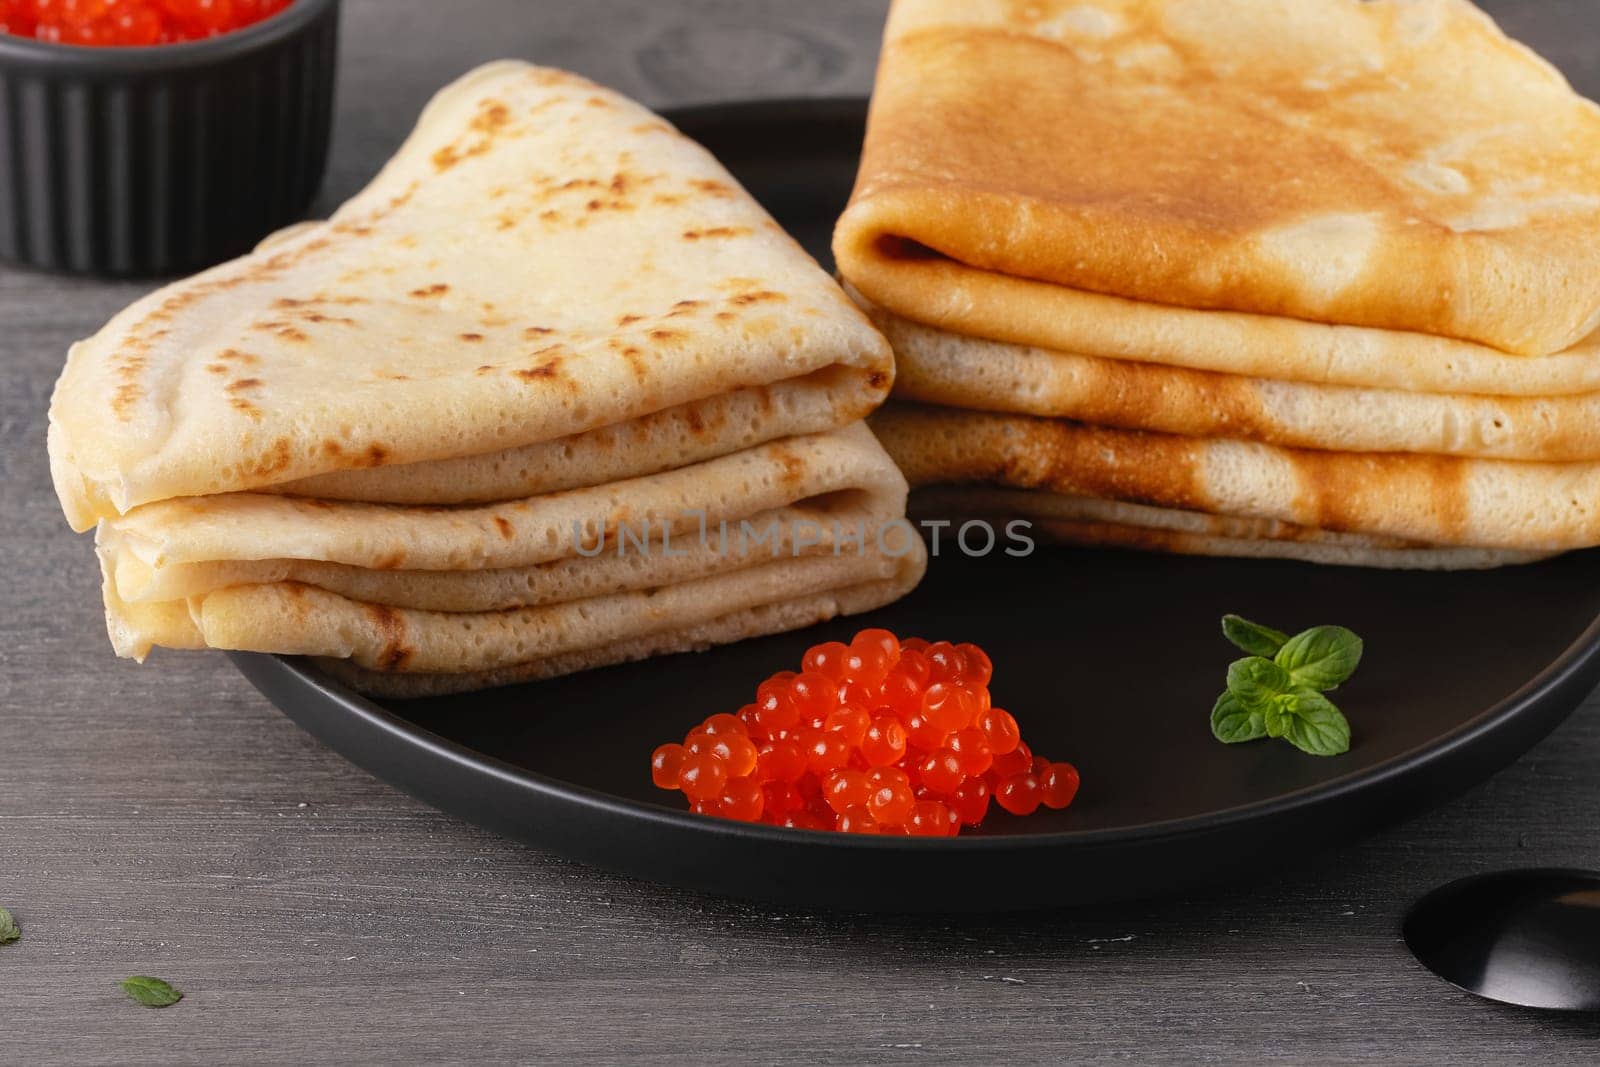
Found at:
(168, 821)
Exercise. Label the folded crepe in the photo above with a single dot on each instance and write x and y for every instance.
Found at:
(938, 366)
(1242, 277)
(1513, 507)
(543, 257)
(1266, 187)
(811, 525)
(552, 392)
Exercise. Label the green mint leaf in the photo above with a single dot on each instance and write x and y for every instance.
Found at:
(9, 930)
(1255, 680)
(1231, 723)
(1254, 638)
(1312, 724)
(1321, 657)
(1272, 716)
(151, 992)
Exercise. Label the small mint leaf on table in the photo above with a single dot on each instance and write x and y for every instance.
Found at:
(1232, 723)
(151, 992)
(1312, 724)
(1254, 638)
(9, 930)
(1322, 657)
(1255, 680)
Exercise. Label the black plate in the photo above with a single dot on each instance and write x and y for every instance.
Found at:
(1109, 659)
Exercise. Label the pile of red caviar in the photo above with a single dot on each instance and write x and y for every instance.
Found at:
(130, 22)
(877, 736)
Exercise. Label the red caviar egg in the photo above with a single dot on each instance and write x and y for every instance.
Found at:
(826, 659)
(878, 736)
(702, 777)
(741, 799)
(850, 722)
(665, 763)
(723, 723)
(972, 750)
(941, 771)
(781, 761)
(1059, 785)
(1000, 730)
(884, 742)
(970, 801)
(1019, 794)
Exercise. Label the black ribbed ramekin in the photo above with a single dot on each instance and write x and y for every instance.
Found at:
(166, 159)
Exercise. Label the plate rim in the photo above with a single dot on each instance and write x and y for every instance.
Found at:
(1577, 665)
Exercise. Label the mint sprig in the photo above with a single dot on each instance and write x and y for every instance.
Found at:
(151, 992)
(9, 930)
(1276, 691)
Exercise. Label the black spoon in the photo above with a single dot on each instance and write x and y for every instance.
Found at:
(1528, 937)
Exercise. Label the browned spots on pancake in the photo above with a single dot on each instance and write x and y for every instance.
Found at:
(1355, 492)
(390, 561)
(507, 531)
(275, 458)
(219, 368)
(725, 316)
(550, 368)
(470, 338)
(280, 328)
(486, 126)
(634, 355)
(376, 454)
(661, 333)
(794, 468)
(716, 231)
(711, 187)
(684, 307)
(759, 296)
(597, 101)
(324, 317)
(245, 407)
(629, 320)
(530, 332)
(485, 368)
(550, 215)
(331, 447)
(669, 199)
(391, 628)
(233, 355)
(427, 291)
(877, 379)
(242, 384)
(697, 424)
(393, 376)
(650, 127)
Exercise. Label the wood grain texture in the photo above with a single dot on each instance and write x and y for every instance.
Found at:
(168, 821)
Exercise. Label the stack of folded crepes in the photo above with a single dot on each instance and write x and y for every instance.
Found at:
(1248, 277)
(552, 392)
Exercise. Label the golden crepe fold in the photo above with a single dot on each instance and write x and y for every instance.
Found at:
(1397, 164)
(543, 257)
(1432, 500)
(552, 392)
